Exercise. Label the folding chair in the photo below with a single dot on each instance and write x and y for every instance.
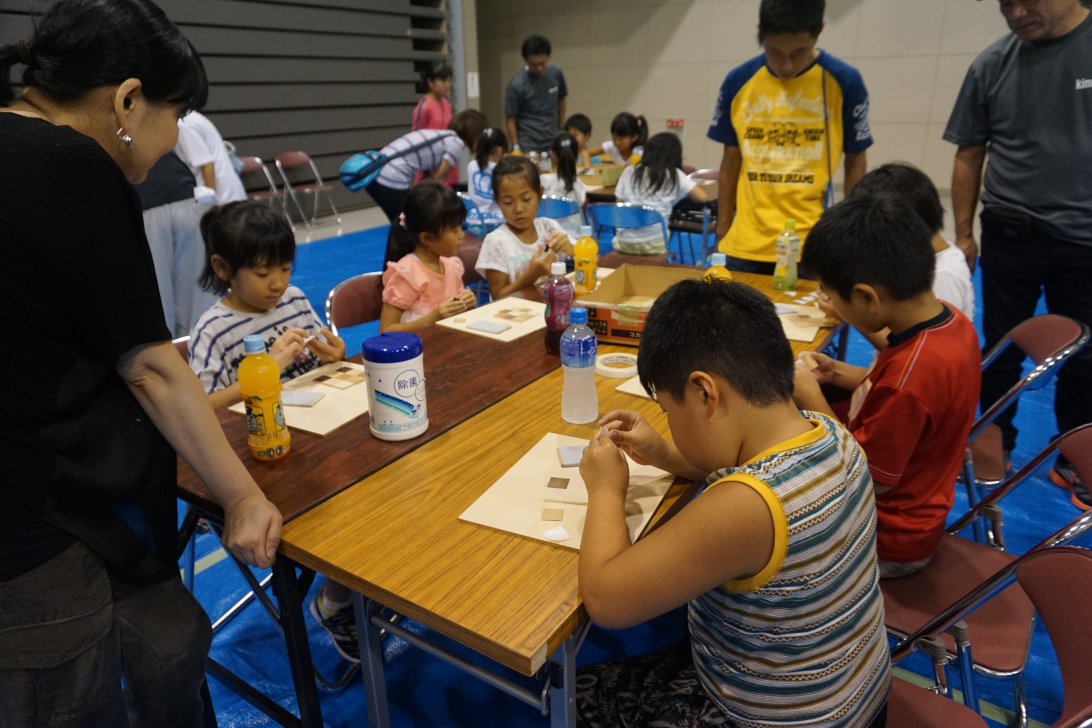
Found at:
(294, 160)
(475, 223)
(357, 300)
(690, 218)
(1001, 629)
(468, 254)
(254, 165)
(1057, 582)
(1049, 340)
(623, 215)
(557, 207)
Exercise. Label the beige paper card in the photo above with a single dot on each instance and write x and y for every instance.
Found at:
(804, 324)
(338, 406)
(521, 316)
(517, 501)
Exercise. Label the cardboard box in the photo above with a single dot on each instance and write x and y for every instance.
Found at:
(600, 175)
(618, 306)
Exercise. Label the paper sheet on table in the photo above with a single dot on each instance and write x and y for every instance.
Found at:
(515, 502)
(804, 324)
(336, 407)
(633, 386)
(522, 316)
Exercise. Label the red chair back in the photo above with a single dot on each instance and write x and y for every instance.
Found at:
(1059, 584)
(355, 301)
(182, 345)
(292, 159)
(1041, 337)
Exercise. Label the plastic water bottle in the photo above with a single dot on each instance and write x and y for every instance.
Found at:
(718, 270)
(579, 347)
(533, 156)
(260, 385)
(559, 302)
(586, 259)
(788, 250)
(545, 164)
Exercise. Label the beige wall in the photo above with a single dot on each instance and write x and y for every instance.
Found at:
(668, 58)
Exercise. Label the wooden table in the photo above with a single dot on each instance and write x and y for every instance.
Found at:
(382, 518)
(396, 540)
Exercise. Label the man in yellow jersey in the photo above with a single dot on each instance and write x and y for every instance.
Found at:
(785, 118)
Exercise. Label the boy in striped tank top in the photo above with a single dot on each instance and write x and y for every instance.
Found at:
(776, 557)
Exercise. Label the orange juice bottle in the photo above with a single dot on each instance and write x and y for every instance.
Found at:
(585, 259)
(260, 385)
(718, 269)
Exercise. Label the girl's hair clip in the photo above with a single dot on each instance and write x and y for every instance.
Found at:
(402, 219)
(565, 143)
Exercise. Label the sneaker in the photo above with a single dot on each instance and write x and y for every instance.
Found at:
(1065, 476)
(342, 628)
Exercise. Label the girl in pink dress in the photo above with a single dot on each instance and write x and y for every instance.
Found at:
(433, 111)
(423, 282)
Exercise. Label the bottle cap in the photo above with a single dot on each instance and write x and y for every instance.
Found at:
(790, 224)
(578, 315)
(585, 231)
(253, 344)
(391, 347)
(719, 258)
(557, 268)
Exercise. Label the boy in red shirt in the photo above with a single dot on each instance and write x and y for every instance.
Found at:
(912, 410)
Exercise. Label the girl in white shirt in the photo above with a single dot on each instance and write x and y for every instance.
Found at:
(628, 134)
(564, 182)
(492, 145)
(659, 182)
(519, 252)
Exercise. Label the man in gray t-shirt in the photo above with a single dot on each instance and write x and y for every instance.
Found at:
(1027, 101)
(534, 101)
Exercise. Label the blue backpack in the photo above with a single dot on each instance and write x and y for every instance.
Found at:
(361, 169)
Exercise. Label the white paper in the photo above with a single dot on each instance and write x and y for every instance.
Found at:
(558, 533)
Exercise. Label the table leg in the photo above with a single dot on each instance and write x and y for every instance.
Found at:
(563, 679)
(287, 591)
(370, 641)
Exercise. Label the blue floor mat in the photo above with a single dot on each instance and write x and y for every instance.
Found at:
(425, 691)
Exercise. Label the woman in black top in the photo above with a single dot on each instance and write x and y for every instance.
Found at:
(97, 399)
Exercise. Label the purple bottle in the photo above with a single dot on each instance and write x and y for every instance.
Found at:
(559, 301)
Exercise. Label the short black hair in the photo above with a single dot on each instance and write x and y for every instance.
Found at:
(907, 182)
(580, 122)
(790, 16)
(535, 45)
(246, 234)
(718, 327)
(81, 45)
(513, 166)
(438, 70)
(879, 241)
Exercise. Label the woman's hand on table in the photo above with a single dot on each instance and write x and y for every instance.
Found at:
(252, 530)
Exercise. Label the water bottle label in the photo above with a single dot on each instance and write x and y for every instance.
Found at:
(579, 352)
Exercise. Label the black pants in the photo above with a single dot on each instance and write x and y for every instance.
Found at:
(389, 200)
(1020, 261)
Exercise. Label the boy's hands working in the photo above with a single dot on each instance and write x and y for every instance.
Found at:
(636, 438)
(603, 468)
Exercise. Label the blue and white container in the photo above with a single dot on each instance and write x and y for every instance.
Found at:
(394, 368)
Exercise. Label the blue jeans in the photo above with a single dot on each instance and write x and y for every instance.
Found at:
(70, 632)
(1019, 263)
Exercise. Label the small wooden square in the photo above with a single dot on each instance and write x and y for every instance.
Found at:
(561, 483)
(553, 514)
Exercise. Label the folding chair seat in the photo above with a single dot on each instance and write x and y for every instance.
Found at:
(475, 223)
(622, 215)
(1049, 340)
(956, 579)
(294, 161)
(909, 706)
(354, 301)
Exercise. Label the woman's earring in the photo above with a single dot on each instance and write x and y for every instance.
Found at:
(125, 137)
